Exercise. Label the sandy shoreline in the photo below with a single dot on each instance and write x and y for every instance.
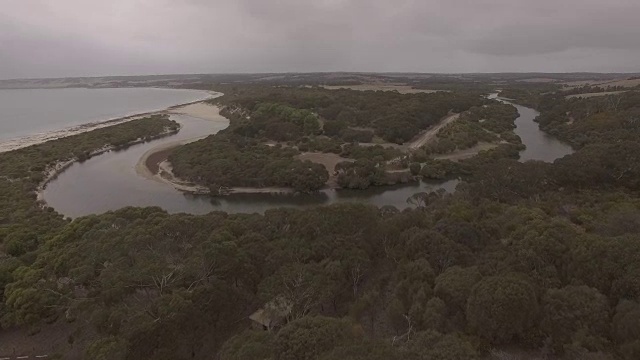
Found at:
(35, 139)
(56, 169)
(153, 164)
(149, 165)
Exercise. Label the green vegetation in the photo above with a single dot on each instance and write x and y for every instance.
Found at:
(461, 274)
(229, 161)
(29, 163)
(535, 256)
(311, 119)
(492, 123)
(286, 113)
(600, 119)
(23, 224)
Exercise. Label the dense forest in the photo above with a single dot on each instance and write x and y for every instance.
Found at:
(24, 225)
(271, 125)
(345, 114)
(492, 123)
(535, 257)
(231, 161)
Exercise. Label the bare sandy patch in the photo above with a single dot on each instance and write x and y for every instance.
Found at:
(254, 190)
(200, 110)
(622, 83)
(603, 83)
(149, 164)
(329, 160)
(381, 142)
(16, 343)
(538, 80)
(579, 83)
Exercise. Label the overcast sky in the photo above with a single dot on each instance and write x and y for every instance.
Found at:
(53, 38)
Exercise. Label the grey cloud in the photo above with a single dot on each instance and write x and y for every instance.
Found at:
(599, 25)
(79, 37)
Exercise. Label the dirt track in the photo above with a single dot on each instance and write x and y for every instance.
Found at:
(428, 135)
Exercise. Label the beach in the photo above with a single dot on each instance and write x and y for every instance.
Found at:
(195, 108)
(153, 165)
(39, 138)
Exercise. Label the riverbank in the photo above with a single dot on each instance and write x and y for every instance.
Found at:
(153, 164)
(52, 172)
(149, 165)
(35, 139)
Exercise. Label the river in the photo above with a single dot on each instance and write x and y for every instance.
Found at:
(110, 181)
(540, 145)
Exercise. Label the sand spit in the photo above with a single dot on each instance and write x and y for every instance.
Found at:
(200, 110)
(35, 139)
(149, 165)
(56, 169)
(166, 175)
(153, 164)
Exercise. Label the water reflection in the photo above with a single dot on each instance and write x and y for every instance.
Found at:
(110, 182)
(540, 145)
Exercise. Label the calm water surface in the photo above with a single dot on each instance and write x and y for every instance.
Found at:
(30, 111)
(540, 145)
(109, 181)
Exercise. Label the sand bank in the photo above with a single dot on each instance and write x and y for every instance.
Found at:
(153, 164)
(56, 169)
(14, 144)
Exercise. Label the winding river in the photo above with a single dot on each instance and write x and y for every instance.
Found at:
(540, 145)
(111, 181)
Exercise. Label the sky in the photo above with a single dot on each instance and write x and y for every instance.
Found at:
(45, 38)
